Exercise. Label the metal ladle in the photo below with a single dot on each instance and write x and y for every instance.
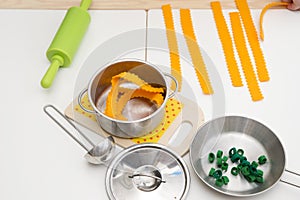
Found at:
(97, 154)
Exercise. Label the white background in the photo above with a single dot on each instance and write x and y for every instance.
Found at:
(39, 161)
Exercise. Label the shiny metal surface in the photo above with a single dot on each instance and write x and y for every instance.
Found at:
(135, 109)
(143, 116)
(147, 178)
(102, 152)
(240, 132)
(147, 171)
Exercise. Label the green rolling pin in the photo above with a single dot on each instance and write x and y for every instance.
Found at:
(67, 40)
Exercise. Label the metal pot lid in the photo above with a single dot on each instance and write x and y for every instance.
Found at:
(147, 171)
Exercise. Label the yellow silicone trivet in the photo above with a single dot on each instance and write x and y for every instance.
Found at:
(227, 44)
(242, 50)
(172, 110)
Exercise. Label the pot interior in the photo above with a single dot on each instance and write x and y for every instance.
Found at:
(136, 108)
(243, 133)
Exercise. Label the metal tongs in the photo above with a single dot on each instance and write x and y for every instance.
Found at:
(96, 154)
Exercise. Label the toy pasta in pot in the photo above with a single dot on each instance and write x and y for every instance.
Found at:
(142, 108)
(127, 86)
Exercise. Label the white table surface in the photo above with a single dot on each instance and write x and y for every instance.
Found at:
(39, 161)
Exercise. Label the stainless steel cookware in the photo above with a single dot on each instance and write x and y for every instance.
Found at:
(142, 171)
(147, 171)
(255, 138)
(143, 116)
(96, 153)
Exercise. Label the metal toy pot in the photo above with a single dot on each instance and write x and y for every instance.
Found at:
(143, 116)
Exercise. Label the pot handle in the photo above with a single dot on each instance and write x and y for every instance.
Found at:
(293, 173)
(80, 97)
(176, 84)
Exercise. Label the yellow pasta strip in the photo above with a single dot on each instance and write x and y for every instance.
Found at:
(155, 97)
(242, 50)
(115, 105)
(128, 94)
(227, 44)
(262, 71)
(111, 108)
(194, 49)
(122, 103)
(173, 46)
(263, 12)
(130, 77)
(111, 101)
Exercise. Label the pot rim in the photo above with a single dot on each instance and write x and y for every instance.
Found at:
(97, 111)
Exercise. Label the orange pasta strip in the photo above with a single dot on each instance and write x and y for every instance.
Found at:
(122, 103)
(242, 50)
(111, 101)
(155, 97)
(173, 46)
(128, 94)
(194, 49)
(227, 44)
(262, 71)
(115, 105)
(263, 12)
(130, 77)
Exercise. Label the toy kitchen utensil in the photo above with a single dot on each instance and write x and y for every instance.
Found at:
(67, 40)
(147, 171)
(254, 138)
(141, 170)
(96, 154)
(150, 114)
(182, 119)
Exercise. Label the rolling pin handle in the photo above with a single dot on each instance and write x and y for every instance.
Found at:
(48, 78)
(85, 4)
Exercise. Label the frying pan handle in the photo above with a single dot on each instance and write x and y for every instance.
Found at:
(289, 183)
(175, 82)
(80, 97)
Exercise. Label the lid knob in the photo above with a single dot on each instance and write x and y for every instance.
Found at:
(147, 178)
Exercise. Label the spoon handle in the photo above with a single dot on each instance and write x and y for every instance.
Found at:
(54, 114)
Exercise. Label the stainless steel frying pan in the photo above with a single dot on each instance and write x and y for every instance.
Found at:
(252, 136)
